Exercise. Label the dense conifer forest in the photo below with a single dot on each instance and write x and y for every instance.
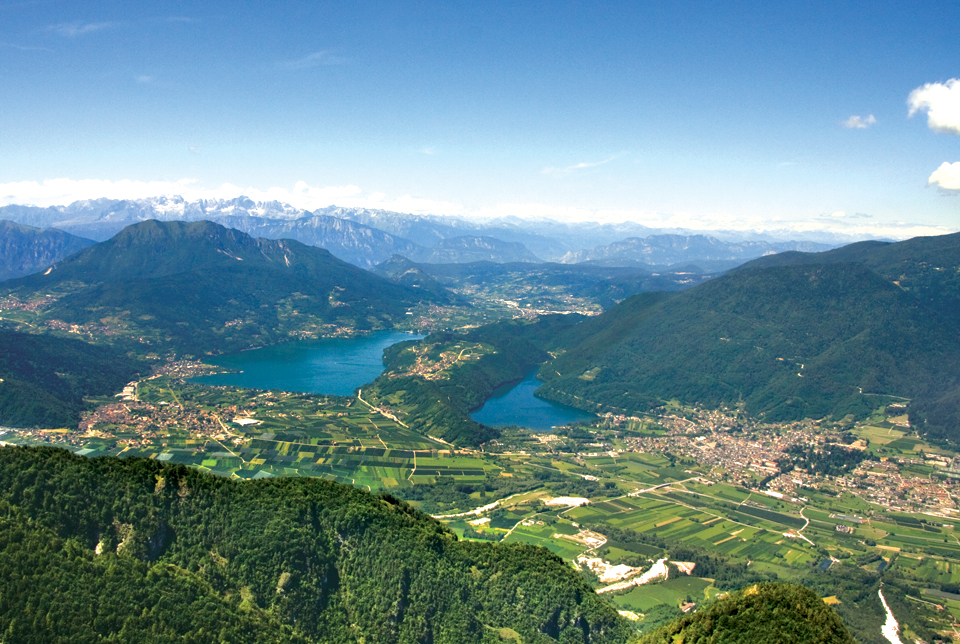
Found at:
(133, 550)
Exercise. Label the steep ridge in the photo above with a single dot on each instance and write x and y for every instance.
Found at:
(25, 249)
(206, 288)
(466, 249)
(347, 240)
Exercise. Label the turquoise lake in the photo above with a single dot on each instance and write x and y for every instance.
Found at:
(515, 404)
(335, 366)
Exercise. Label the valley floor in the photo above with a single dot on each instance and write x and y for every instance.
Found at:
(695, 493)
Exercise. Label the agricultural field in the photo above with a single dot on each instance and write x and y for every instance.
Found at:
(672, 592)
(708, 524)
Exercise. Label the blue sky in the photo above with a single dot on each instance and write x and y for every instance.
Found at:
(709, 115)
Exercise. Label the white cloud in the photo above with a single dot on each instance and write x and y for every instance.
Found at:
(315, 59)
(941, 102)
(53, 192)
(74, 29)
(842, 215)
(859, 122)
(946, 177)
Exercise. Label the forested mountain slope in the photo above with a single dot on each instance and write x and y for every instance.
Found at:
(927, 267)
(809, 340)
(199, 287)
(43, 379)
(138, 551)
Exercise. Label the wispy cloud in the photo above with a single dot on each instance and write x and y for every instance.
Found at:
(579, 166)
(859, 122)
(316, 59)
(24, 47)
(183, 19)
(74, 29)
(941, 102)
(946, 177)
(144, 79)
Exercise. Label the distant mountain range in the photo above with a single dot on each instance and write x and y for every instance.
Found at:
(697, 249)
(199, 287)
(366, 237)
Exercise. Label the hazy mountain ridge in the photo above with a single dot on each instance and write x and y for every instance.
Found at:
(25, 249)
(468, 249)
(675, 249)
(350, 241)
(606, 285)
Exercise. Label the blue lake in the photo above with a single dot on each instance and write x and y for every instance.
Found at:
(515, 404)
(335, 366)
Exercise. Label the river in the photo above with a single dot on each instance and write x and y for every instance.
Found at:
(890, 628)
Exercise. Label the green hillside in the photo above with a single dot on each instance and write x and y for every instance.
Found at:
(808, 340)
(137, 551)
(927, 267)
(43, 379)
(762, 614)
(199, 287)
